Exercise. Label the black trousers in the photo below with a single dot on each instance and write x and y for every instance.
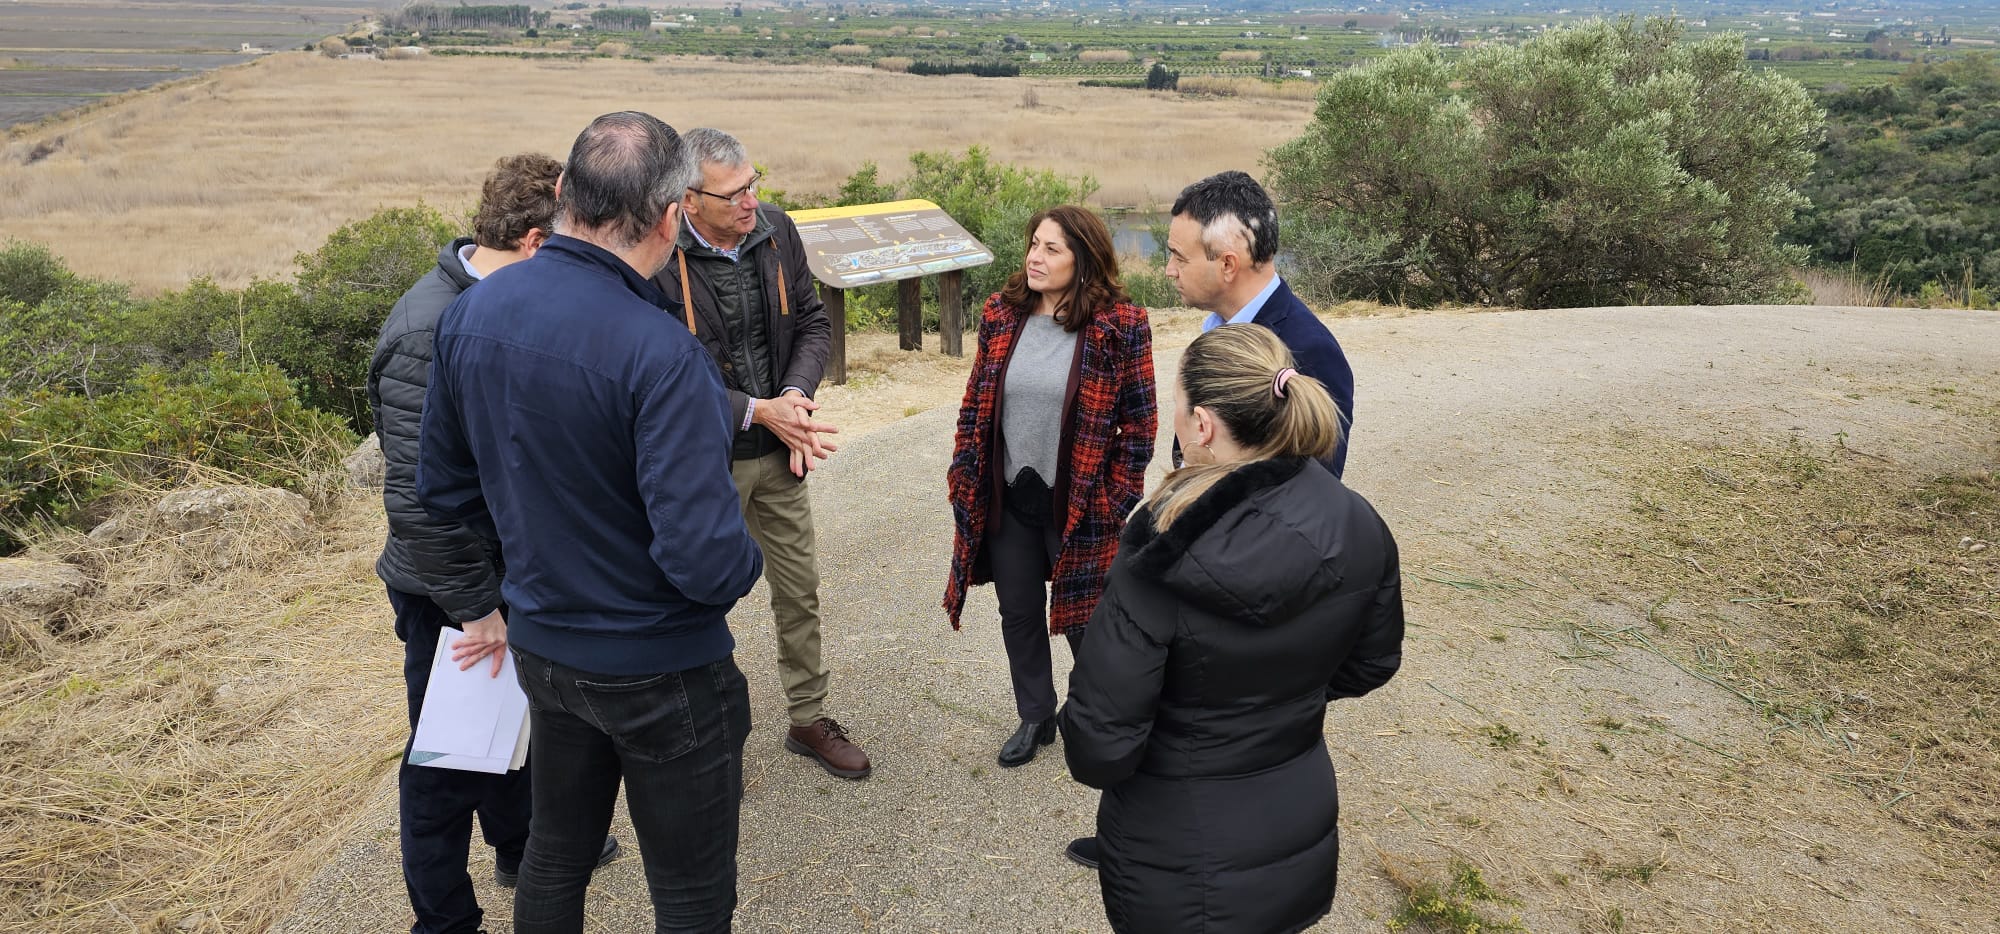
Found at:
(1022, 555)
(675, 741)
(436, 805)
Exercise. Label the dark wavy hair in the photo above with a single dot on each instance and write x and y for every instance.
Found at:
(519, 195)
(1096, 285)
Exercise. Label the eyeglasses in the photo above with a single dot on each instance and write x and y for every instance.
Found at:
(735, 199)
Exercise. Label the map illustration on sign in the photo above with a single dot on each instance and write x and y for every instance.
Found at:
(871, 243)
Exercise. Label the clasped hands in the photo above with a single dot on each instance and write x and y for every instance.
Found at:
(790, 417)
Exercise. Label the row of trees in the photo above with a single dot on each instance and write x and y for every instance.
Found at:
(432, 17)
(622, 20)
(980, 69)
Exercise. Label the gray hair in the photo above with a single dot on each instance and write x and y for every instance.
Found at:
(624, 172)
(714, 147)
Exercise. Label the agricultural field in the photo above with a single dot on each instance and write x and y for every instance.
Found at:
(1817, 46)
(55, 56)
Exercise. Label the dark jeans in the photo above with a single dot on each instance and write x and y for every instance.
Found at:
(676, 739)
(436, 805)
(1022, 555)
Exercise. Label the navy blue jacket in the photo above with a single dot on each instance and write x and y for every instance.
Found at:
(574, 420)
(1317, 354)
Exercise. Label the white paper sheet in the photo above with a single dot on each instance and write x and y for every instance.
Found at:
(471, 719)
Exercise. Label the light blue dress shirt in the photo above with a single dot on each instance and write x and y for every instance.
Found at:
(1248, 312)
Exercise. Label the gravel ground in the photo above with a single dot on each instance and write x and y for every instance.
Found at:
(1477, 437)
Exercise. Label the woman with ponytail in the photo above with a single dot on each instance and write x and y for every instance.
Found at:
(1250, 590)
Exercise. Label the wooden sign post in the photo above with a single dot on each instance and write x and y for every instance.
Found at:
(900, 242)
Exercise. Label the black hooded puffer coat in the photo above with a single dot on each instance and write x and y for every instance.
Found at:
(1199, 699)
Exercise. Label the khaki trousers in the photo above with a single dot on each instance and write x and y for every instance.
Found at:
(779, 514)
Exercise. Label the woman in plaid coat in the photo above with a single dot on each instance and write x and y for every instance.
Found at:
(1054, 435)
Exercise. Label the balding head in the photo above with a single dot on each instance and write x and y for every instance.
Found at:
(625, 172)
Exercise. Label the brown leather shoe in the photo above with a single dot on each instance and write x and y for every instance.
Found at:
(826, 740)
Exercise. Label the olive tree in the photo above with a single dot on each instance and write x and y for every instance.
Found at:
(1604, 163)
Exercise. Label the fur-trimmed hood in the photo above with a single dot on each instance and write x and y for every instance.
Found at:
(1259, 546)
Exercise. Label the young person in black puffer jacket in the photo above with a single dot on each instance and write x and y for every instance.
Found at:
(1250, 590)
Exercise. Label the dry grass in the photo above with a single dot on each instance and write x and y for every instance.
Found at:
(188, 764)
(1832, 287)
(185, 757)
(231, 175)
(1241, 55)
(894, 63)
(1104, 55)
(850, 49)
(1852, 600)
(1226, 86)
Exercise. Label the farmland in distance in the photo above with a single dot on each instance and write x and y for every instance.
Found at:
(55, 56)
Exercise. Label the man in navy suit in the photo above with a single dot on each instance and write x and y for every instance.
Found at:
(1222, 245)
(1221, 248)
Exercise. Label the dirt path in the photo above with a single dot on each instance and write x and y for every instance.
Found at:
(1491, 443)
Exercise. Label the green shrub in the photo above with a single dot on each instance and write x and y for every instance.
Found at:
(74, 338)
(993, 202)
(324, 333)
(865, 186)
(59, 451)
(1596, 164)
(1149, 286)
(29, 273)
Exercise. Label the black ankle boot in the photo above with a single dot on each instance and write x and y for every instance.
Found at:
(1020, 748)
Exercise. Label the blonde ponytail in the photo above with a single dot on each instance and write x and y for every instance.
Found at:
(1237, 371)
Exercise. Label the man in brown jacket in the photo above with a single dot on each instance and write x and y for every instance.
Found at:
(741, 273)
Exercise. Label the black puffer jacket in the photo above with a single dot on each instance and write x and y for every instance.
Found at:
(1199, 699)
(445, 561)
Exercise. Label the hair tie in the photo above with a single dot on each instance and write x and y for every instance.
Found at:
(1284, 376)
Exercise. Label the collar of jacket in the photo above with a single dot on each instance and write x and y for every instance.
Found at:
(1154, 552)
(757, 235)
(453, 267)
(591, 256)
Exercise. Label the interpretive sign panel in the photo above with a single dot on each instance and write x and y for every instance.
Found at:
(871, 243)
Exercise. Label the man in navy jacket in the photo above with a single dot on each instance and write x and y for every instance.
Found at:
(1221, 249)
(576, 421)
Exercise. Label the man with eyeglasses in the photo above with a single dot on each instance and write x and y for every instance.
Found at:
(740, 272)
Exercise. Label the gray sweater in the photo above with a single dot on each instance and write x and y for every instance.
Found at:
(1031, 408)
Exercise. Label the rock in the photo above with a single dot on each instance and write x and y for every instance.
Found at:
(364, 466)
(225, 527)
(40, 590)
(235, 507)
(118, 531)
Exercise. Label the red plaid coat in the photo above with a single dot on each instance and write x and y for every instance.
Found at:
(1108, 437)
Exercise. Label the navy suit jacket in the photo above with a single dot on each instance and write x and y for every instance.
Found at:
(1318, 356)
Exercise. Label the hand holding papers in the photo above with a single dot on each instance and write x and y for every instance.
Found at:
(484, 637)
(470, 719)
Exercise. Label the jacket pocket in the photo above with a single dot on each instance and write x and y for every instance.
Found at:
(646, 716)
